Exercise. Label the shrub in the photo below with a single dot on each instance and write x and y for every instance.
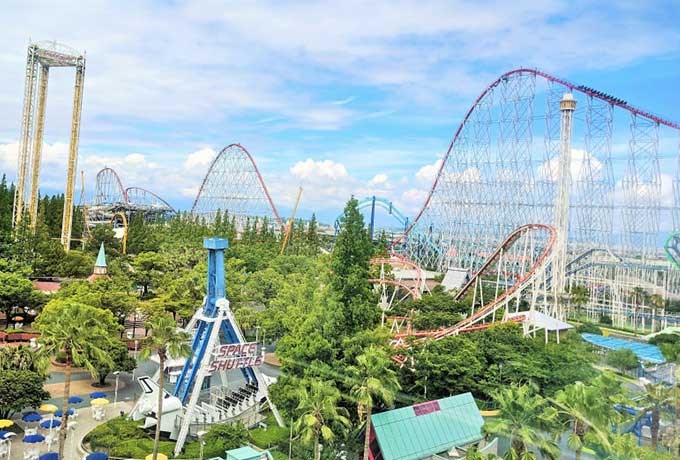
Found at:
(622, 359)
(589, 328)
(606, 320)
(60, 357)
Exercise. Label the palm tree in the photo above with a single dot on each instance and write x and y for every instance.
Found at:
(639, 298)
(578, 295)
(375, 381)
(24, 358)
(590, 411)
(82, 333)
(168, 342)
(319, 414)
(657, 398)
(523, 418)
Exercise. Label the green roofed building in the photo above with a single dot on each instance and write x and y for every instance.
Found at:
(426, 431)
(248, 453)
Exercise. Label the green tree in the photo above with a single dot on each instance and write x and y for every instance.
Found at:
(656, 400)
(148, 270)
(166, 341)
(319, 414)
(589, 410)
(375, 381)
(83, 333)
(24, 358)
(523, 419)
(623, 359)
(120, 360)
(16, 292)
(350, 266)
(20, 389)
(104, 234)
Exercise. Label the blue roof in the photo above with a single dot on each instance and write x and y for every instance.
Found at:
(419, 431)
(101, 258)
(644, 351)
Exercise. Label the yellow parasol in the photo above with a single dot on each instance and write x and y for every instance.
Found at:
(159, 456)
(4, 423)
(99, 402)
(49, 408)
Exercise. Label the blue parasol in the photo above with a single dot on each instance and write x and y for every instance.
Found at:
(50, 424)
(97, 394)
(32, 417)
(75, 400)
(59, 413)
(49, 456)
(33, 438)
(3, 434)
(97, 456)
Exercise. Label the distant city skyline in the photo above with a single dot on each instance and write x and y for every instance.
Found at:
(345, 98)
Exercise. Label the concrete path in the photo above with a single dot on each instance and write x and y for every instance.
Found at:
(82, 425)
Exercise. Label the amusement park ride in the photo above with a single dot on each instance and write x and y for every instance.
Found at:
(220, 381)
(116, 205)
(43, 56)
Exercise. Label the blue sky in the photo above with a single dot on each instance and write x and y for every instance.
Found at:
(340, 97)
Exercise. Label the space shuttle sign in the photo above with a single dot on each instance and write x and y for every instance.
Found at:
(235, 356)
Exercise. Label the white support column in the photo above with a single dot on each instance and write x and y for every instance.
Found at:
(567, 107)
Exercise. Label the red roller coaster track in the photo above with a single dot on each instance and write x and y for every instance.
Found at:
(578, 88)
(257, 172)
(468, 323)
(122, 190)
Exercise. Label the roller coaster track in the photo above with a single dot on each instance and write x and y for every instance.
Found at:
(525, 280)
(672, 249)
(639, 230)
(383, 284)
(234, 184)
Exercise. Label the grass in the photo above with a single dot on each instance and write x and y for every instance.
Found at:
(272, 436)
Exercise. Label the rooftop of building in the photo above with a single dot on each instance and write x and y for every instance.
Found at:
(422, 430)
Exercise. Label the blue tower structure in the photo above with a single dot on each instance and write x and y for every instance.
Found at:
(218, 345)
(205, 323)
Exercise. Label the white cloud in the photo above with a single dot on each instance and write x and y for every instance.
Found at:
(315, 171)
(582, 163)
(427, 173)
(200, 159)
(379, 179)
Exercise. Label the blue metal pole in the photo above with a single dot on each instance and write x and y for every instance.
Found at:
(370, 234)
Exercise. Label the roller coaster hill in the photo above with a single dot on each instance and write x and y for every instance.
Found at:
(112, 202)
(535, 200)
(547, 186)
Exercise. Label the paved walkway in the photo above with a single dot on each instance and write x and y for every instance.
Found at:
(82, 425)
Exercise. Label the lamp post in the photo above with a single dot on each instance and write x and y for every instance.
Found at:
(201, 445)
(115, 391)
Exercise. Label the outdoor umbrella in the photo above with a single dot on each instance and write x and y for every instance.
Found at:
(32, 417)
(99, 402)
(158, 457)
(49, 456)
(97, 394)
(75, 400)
(33, 438)
(97, 456)
(3, 434)
(4, 423)
(59, 413)
(49, 408)
(50, 424)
